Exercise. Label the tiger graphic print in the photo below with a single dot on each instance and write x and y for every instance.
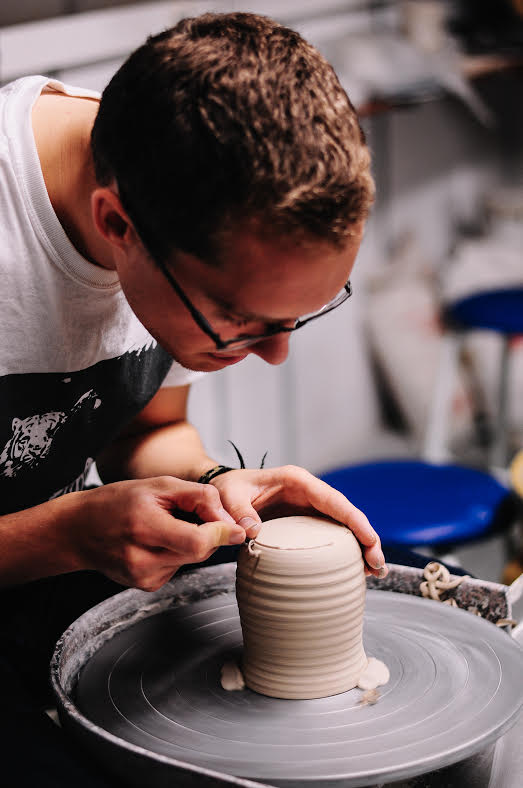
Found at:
(30, 442)
(32, 437)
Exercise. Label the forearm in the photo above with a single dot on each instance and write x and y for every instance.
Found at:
(37, 542)
(174, 449)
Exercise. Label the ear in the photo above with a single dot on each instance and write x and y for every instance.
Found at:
(111, 220)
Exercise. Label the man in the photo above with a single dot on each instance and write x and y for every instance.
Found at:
(211, 202)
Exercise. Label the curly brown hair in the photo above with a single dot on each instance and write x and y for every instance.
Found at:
(225, 119)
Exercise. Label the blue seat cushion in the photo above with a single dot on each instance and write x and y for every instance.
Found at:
(497, 310)
(411, 502)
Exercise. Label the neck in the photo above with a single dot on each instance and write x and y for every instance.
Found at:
(62, 128)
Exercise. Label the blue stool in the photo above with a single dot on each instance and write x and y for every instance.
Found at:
(493, 310)
(500, 311)
(415, 503)
(424, 502)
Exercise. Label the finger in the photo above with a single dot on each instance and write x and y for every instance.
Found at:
(380, 573)
(210, 511)
(241, 509)
(249, 519)
(374, 557)
(334, 504)
(250, 525)
(202, 499)
(218, 534)
(193, 542)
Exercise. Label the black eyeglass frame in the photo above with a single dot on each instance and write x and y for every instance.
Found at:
(243, 340)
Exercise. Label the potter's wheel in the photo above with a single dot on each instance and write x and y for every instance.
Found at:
(154, 687)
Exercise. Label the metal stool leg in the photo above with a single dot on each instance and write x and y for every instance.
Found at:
(435, 447)
(499, 452)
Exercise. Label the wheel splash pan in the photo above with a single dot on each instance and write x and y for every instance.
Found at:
(137, 683)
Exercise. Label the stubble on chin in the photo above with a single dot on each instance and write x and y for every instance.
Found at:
(198, 363)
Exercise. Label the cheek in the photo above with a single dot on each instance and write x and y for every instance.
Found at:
(156, 308)
(177, 332)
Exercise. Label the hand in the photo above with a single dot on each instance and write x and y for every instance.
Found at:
(127, 531)
(249, 495)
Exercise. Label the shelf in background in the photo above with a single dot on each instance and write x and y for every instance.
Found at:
(473, 67)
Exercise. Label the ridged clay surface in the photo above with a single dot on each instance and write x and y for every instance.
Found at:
(301, 595)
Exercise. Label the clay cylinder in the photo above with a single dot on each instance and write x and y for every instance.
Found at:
(300, 588)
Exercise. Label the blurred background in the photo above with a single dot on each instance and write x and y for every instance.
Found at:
(439, 87)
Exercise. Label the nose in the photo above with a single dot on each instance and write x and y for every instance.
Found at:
(273, 350)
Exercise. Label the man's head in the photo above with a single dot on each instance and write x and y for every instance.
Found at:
(229, 122)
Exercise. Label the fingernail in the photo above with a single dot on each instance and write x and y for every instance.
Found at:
(250, 524)
(378, 562)
(237, 537)
(383, 572)
(226, 516)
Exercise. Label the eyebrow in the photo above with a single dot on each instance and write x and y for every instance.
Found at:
(228, 307)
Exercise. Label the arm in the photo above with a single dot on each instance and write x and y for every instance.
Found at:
(158, 441)
(125, 530)
(34, 544)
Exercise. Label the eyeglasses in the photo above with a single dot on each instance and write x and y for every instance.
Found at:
(244, 340)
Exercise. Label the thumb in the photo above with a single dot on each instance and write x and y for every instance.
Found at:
(220, 533)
